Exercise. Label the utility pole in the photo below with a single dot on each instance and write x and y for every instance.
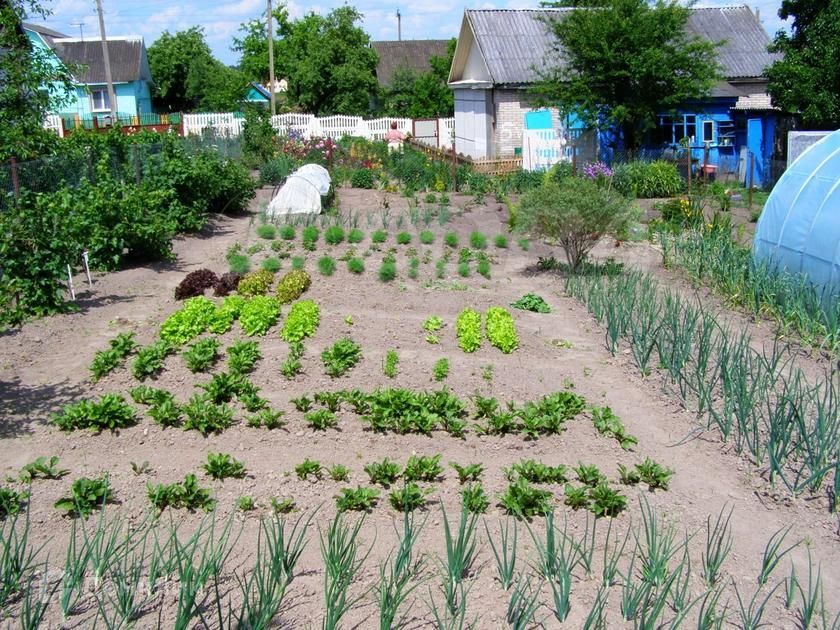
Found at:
(271, 60)
(112, 99)
(399, 26)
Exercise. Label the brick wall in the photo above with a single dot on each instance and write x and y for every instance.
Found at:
(510, 107)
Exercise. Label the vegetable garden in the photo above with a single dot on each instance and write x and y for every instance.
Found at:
(401, 413)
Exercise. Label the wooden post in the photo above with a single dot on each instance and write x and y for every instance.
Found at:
(751, 163)
(15, 180)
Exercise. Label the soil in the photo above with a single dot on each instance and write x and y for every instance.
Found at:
(44, 365)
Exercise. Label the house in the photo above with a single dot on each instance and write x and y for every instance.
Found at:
(258, 94)
(409, 54)
(130, 73)
(499, 51)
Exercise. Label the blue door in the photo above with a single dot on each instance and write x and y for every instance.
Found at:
(755, 146)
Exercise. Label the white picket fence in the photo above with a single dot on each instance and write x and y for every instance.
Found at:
(314, 127)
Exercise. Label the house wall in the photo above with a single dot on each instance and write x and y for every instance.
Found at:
(60, 97)
(132, 99)
(474, 122)
(510, 107)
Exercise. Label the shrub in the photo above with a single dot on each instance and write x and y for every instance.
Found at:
(575, 213)
(500, 329)
(287, 232)
(355, 236)
(403, 238)
(427, 237)
(195, 283)
(356, 265)
(334, 235)
(255, 283)
(310, 234)
(302, 321)
(387, 271)
(647, 179)
(267, 231)
(362, 178)
(271, 264)
(292, 286)
(326, 265)
(379, 236)
(451, 239)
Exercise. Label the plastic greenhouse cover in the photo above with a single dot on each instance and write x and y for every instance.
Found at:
(301, 193)
(799, 229)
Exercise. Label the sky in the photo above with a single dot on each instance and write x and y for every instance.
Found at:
(427, 19)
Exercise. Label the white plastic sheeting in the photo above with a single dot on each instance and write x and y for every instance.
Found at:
(301, 193)
(799, 228)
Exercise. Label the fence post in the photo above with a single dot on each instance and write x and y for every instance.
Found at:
(751, 166)
(15, 180)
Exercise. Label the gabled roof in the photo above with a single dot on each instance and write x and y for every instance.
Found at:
(47, 34)
(412, 54)
(127, 56)
(515, 41)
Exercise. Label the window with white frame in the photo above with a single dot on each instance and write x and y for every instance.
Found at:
(708, 131)
(99, 101)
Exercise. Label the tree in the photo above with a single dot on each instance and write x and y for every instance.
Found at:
(31, 84)
(422, 94)
(326, 59)
(187, 77)
(806, 80)
(625, 61)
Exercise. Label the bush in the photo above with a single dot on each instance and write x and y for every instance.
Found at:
(287, 232)
(326, 265)
(403, 238)
(478, 240)
(647, 179)
(356, 265)
(271, 264)
(355, 236)
(334, 235)
(362, 178)
(575, 213)
(379, 236)
(427, 237)
(267, 231)
(388, 271)
(292, 285)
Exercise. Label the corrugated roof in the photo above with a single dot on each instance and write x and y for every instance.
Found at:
(47, 33)
(127, 56)
(412, 54)
(515, 41)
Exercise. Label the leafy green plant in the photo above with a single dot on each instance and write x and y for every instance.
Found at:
(589, 475)
(283, 506)
(500, 329)
(42, 468)
(470, 472)
(206, 417)
(356, 266)
(379, 236)
(387, 271)
(86, 495)
(326, 265)
(105, 361)
(341, 356)
(501, 241)
(186, 494)
(243, 356)
(12, 502)
(321, 420)
(298, 263)
(292, 365)
(478, 240)
(223, 466)
(654, 475)
(149, 360)
(287, 232)
(239, 263)
(293, 285)
(302, 321)
(607, 423)
(576, 498)
(464, 269)
(271, 264)
(647, 180)
(255, 283)
(355, 236)
(483, 268)
(334, 235)
(267, 231)
(427, 237)
(389, 366)
(532, 302)
(606, 501)
(451, 239)
(309, 468)
(628, 476)
(433, 324)
(310, 234)
(201, 354)
(339, 472)
(359, 499)
(423, 468)
(408, 498)
(468, 330)
(537, 472)
(383, 473)
(110, 412)
(165, 411)
(259, 314)
(302, 403)
(362, 178)
(441, 369)
(474, 498)
(246, 503)
(403, 238)
(524, 501)
(266, 418)
(188, 322)
(223, 387)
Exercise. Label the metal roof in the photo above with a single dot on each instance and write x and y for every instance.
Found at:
(412, 54)
(127, 56)
(516, 41)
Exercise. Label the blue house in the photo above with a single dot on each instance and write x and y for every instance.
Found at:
(89, 98)
(500, 51)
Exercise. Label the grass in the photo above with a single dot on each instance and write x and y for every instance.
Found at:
(464, 269)
(271, 264)
(355, 236)
(298, 262)
(267, 231)
(356, 266)
(239, 263)
(326, 265)
(501, 241)
(287, 232)
(451, 240)
(478, 240)
(387, 271)
(334, 235)
(379, 236)
(403, 238)
(427, 237)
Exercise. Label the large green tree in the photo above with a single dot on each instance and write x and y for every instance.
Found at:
(422, 94)
(326, 60)
(187, 77)
(806, 80)
(622, 62)
(32, 83)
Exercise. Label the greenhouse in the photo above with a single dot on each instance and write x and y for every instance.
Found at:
(799, 229)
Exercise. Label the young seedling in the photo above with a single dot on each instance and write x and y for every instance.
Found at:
(341, 356)
(42, 468)
(423, 468)
(86, 495)
(589, 475)
(389, 367)
(243, 356)
(309, 468)
(470, 472)
(654, 475)
(282, 506)
(505, 551)
(246, 503)
(576, 498)
(359, 499)
(383, 473)
(441, 369)
(606, 501)
(339, 472)
(474, 498)
(223, 466)
(321, 420)
(408, 498)
(524, 501)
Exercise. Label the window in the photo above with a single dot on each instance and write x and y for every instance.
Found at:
(708, 131)
(99, 101)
